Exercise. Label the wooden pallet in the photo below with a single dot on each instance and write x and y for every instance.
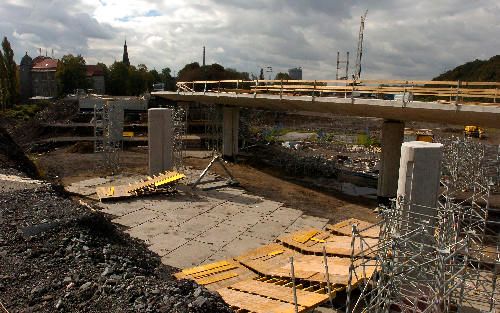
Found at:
(345, 228)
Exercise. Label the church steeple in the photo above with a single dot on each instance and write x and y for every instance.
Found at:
(125, 54)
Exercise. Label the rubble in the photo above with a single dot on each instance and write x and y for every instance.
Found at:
(58, 256)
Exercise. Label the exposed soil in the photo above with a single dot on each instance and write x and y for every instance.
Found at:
(66, 168)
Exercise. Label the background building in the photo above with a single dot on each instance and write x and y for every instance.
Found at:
(95, 75)
(295, 73)
(43, 77)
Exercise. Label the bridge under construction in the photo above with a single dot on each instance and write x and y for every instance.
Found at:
(395, 101)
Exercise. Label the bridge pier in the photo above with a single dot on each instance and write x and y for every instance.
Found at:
(230, 128)
(392, 138)
(160, 140)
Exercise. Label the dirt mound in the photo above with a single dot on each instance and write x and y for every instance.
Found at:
(12, 158)
(59, 256)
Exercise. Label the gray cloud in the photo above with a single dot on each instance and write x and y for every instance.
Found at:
(403, 38)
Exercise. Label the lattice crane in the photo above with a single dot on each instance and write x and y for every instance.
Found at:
(357, 69)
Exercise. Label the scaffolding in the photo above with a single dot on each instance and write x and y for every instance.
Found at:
(447, 264)
(213, 128)
(180, 121)
(108, 133)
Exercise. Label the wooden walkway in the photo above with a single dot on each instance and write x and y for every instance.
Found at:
(260, 280)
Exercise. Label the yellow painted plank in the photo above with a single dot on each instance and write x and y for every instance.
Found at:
(216, 270)
(206, 267)
(215, 278)
(304, 236)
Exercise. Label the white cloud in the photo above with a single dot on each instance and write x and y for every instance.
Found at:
(403, 38)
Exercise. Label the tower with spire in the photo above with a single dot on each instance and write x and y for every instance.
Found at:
(125, 54)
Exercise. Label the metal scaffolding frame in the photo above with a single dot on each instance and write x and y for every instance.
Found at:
(213, 128)
(180, 122)
(445, 265)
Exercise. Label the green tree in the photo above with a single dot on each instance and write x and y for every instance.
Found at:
(167, 79)
(71, 73)
(156, 76)
(8, 76)
(283, 76)
(118, 82)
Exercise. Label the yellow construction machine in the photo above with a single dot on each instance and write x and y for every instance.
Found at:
(474, 131)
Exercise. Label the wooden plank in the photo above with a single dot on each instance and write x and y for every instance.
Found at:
(215, 278)
(206, 267)
(304, 298)
(345, 228)
(255, 303)
(214, 271)
(304, 235)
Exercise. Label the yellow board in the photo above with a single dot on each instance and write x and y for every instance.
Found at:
(128, 134)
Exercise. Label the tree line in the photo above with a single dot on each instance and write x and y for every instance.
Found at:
(120, 78)
(9, 85)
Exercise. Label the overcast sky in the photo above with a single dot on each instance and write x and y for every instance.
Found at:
(403, 38)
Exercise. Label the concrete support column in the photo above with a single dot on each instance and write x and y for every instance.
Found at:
(160, 140)
(418, 184)
(230, 127)
(392, 138)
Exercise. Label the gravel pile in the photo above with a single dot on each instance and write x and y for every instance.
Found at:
(59, 256)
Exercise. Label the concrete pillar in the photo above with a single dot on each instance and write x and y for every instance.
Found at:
(419, 175)
(160, 140)
(230, 127)
(392, 138)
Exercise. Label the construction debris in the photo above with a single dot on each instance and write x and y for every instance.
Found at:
(165, 182)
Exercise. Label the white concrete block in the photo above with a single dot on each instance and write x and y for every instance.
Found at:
(161, 139)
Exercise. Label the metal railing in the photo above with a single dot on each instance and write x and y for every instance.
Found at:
(452, 91)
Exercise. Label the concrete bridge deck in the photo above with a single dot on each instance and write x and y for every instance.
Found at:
(483, 114)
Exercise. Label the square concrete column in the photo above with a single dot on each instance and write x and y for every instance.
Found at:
(392, 138)
(419, 175)
(160, 140)
(230, 128)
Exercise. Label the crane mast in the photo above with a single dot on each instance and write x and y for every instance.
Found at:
(357, 69)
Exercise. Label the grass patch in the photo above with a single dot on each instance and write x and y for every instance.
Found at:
(24, 111)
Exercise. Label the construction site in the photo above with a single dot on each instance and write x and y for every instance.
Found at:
(346, 195)
(274, 196)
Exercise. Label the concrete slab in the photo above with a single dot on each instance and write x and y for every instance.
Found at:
(198, 224)
(122, 208)
(237, 247)
(190, 254)
(136, 218)
(220, 235)
(167, 242)
(267, 230)
(166, 206)
(307, 221)
(264, 206)
(245, 218)
(150, 229)
(225, 210)
(285, 215)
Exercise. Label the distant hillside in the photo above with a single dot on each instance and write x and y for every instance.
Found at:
(477, 70)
